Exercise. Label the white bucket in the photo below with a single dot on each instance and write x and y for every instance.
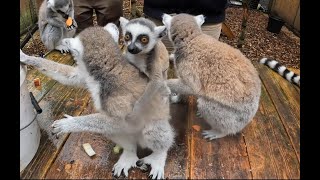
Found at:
(29, 129)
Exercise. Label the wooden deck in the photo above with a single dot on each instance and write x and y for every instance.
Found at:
(269, 147)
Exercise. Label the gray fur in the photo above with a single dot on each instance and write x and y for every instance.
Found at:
(116, 87)
(52, 23)
(224, 80)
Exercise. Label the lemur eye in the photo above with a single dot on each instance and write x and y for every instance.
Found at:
(144, 39)
(127, 37)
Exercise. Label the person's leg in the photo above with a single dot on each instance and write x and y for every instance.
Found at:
(108, 11)
(83, 14)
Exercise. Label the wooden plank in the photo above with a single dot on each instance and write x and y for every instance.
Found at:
(270, 151)
(289, 91)
(101, 165)
(288, 118)
(46, 82)
(59, 101)
(224, 158)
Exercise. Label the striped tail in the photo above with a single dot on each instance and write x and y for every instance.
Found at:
(282, 70)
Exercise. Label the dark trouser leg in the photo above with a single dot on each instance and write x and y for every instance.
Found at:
(108, 11)
(83, 14)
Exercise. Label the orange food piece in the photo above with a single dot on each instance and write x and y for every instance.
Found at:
(196, 127)
(69, 21)
(37, 82)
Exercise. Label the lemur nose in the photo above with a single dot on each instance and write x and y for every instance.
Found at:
(133, 49)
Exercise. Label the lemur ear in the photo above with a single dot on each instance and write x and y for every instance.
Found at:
(113, 30)
(123, 22)
(199, 19)
(160, 31)
(50, 3)
(166, 19)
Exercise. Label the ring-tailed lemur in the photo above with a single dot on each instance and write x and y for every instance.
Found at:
(116, 88)
(52, 23)
(282, 70)
(145, 49)
(225, 82)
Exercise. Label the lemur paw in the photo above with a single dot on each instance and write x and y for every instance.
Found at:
(175, 98)
(23, 56)
(62, 48)
(211, 134)
(62, 126)
(125, 162)
(157, 166)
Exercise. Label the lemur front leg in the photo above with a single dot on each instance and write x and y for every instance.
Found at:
(62, 73)
(177, 88)
(112, 128)
(154, 97)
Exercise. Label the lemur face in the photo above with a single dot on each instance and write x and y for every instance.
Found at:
(140, 35)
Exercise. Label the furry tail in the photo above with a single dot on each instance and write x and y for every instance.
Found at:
(282, 70)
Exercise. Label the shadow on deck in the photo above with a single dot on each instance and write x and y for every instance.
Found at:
(269, 147)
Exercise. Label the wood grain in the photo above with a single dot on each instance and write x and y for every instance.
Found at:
(270, 151)
(290, 121)
(46, 82)
(59, 100)
(224, 158)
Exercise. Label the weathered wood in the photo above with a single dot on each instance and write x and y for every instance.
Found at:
(289, 91)
(224, 158)
(270, 151)
(288, 118)
(46, 82)
(100, 166)
(59, 100)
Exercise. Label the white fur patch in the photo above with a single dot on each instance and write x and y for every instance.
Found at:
(263, 60)
(297, 79)
(50, 3)
(113, 30)
(94, 88)
(281, 70)
(199, 19)
(289, 76)
(123, 23)
(272, 63)
(166, 20)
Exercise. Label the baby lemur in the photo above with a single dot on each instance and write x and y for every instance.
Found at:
(145, 49)
(224, 80)
(116, 88)
(52, 23)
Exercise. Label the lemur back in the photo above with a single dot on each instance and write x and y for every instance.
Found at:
(225, 82)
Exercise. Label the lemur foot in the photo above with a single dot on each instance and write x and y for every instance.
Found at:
(211, 134)
(126, 161)
(175, 98)
(63, 49)
(62, 126)
(157, 163)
